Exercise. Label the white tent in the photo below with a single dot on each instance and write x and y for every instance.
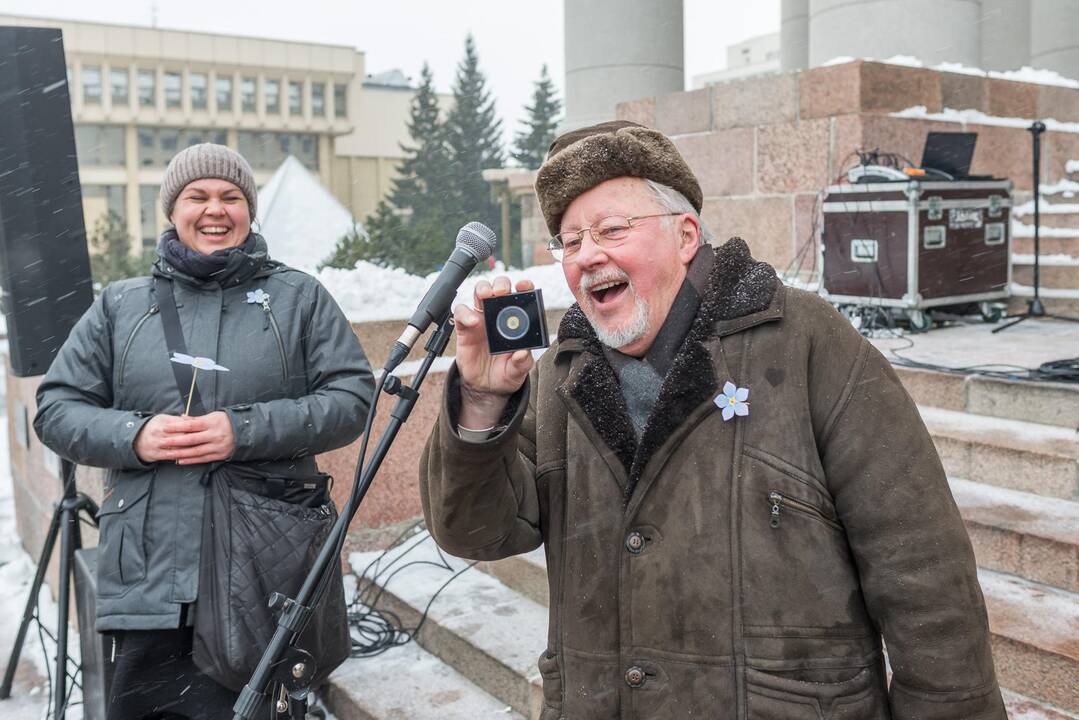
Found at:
(300, 219)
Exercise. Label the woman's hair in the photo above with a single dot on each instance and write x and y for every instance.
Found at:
(675, 202)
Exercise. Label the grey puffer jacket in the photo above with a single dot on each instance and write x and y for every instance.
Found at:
(298, 384)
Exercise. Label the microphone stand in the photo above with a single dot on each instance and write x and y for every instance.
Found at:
(282, 663)
(1035, 308)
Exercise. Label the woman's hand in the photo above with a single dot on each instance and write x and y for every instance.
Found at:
(185, 439)
(487, 381)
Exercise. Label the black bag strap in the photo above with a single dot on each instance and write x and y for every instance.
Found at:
(174, 340)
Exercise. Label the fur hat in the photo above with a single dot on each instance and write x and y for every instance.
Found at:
(579, 160)
(207, 160)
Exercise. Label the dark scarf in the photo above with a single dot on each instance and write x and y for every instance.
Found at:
(193, 263)
(641, 378)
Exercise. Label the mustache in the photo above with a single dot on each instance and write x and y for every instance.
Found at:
(590, 280)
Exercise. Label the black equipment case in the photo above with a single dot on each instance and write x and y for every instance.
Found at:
(914, 245)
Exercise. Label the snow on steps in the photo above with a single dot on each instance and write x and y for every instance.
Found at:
(408, 682)
(1036, 458)
(1034, 537)
(1046, 403)
(489, 633)
(1035, 634)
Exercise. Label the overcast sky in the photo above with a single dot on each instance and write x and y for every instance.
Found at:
(513, 37)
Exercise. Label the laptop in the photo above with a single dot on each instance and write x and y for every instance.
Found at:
(949, 152)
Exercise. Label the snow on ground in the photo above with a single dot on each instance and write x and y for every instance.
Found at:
(369, 293)
(1072, 166)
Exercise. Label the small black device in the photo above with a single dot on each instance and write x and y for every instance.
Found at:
(515, 322)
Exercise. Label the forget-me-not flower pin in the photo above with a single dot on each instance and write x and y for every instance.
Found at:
(258, 297)
(733, 401)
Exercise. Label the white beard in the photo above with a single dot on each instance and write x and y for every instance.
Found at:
(633, 329)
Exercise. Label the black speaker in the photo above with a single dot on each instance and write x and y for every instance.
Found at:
(44, 264)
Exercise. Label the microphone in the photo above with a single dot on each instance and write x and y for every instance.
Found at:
(475, 242)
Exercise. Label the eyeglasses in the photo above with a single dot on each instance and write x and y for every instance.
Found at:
(607, 233)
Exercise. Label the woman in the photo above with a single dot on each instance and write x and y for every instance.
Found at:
(297, 384)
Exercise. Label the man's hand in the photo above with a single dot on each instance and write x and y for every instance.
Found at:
(487, 381)
(185, 439)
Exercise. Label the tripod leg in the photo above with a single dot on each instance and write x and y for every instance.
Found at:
(31, 602)
(68, 541)
(1014, 321)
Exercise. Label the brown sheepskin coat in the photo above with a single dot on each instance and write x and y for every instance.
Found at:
(742, 569)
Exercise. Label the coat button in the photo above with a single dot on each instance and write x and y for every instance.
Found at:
(635, 542)
(120, 504)
(635, 677)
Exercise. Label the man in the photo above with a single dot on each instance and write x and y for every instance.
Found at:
(736, 496)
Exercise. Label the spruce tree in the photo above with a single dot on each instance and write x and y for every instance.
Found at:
(531, 142)
(474, 143)
(406, 230)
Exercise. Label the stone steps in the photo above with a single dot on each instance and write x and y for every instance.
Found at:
(1038, 402)
(1051, 275)
(408, 682)
(1027, 535)
(1059, 301)
(489, 633)
(1035, 633)
(1049, 244)
(1051, 215)
(1032, 457)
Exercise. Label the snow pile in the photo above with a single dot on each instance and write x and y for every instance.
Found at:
(1036, 76)
(1072, 166)
(370, 293)
(977, 117)
(299, 218)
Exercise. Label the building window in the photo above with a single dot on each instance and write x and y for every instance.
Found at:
(118, 80)
(158, 145)
(295, 98)
(271, 89)
(198, 85)
(224, 94)
(248, 98)
(91, 84)
(147, 81)
(267, 150)
(100, 145)
(101, 201)
(173, 91)
(318, 99)
(340, 100)
(148, 215)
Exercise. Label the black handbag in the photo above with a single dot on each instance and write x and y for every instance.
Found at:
(261, 533)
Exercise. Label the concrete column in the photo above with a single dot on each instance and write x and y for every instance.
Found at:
(619, 50)
(934, 31)
(1054, 36)
(794, 35)
(1005, 30)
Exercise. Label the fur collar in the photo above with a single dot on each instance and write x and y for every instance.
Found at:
(737, 286)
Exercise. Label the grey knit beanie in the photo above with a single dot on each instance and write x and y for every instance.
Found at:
(579, 160)
(207, 160)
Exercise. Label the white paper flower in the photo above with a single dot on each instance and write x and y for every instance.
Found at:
(733, 401)
(258, 297)
(202, 363)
